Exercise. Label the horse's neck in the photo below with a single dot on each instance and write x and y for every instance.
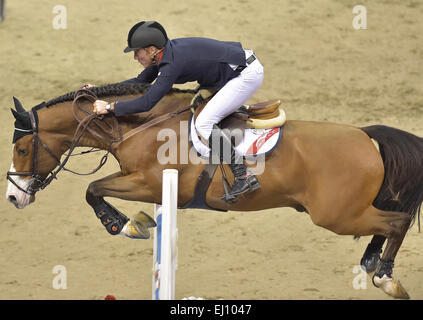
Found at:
(60, 119)
(168, 104)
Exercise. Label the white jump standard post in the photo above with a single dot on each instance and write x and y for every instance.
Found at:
(165, 250)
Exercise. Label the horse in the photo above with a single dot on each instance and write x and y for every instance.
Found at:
(349, 180)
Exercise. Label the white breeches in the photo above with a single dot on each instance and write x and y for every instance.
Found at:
(228, 99)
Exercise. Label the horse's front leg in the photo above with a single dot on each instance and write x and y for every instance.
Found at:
(126, 187)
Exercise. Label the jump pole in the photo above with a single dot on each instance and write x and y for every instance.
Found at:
(165, 250)
(2, 10)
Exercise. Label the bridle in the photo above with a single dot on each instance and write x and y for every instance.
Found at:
(37, 182)
(36, 178)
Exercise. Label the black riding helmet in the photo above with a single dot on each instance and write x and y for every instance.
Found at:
(145, 34)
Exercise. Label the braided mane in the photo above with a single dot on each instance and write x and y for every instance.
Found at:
(115, 89)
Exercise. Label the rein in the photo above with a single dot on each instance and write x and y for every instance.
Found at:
(81, 129)
(151, 123)
(104, 126)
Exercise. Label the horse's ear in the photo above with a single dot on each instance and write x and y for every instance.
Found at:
(18, 105)
(19, 116)
(15, 114)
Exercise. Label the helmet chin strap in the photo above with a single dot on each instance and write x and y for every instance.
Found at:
(154, 55)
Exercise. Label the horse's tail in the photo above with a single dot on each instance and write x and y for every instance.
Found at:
(402, 154)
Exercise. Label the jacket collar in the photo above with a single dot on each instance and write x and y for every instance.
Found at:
(167, 53)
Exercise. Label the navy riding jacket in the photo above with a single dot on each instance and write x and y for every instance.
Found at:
(184, 60)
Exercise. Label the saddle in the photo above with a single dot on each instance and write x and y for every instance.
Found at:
(264, 115)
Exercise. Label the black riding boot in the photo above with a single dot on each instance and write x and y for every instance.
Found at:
(244, 180)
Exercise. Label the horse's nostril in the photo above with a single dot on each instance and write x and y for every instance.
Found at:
(13, 199)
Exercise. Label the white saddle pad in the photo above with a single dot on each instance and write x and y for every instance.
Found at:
(254, 142)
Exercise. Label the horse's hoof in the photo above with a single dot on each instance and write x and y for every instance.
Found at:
(144, 219)
(391, 287)
(135, 230)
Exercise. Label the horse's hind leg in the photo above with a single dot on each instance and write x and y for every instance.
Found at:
(394, 226)
(371, 256)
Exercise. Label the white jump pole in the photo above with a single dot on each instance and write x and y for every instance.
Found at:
(165, 250)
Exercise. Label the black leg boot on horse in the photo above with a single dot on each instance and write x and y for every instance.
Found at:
(371, 256)
(116, 222)
(111, 218)
(222, 149)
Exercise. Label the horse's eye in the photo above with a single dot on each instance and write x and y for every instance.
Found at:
(22, 152)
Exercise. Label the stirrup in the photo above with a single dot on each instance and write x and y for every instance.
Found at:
(251, 183)
(231, 198)
(227, 197)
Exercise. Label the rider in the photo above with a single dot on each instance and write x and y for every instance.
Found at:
(226, 66)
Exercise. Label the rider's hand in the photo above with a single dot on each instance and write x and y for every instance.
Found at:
(100, 107)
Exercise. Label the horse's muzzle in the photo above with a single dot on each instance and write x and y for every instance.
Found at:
(16, 193)
(22, 203)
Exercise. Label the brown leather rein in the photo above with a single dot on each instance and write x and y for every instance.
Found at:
(151, 123)
(106, 128)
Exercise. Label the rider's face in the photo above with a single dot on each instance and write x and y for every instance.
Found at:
(143, 56)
